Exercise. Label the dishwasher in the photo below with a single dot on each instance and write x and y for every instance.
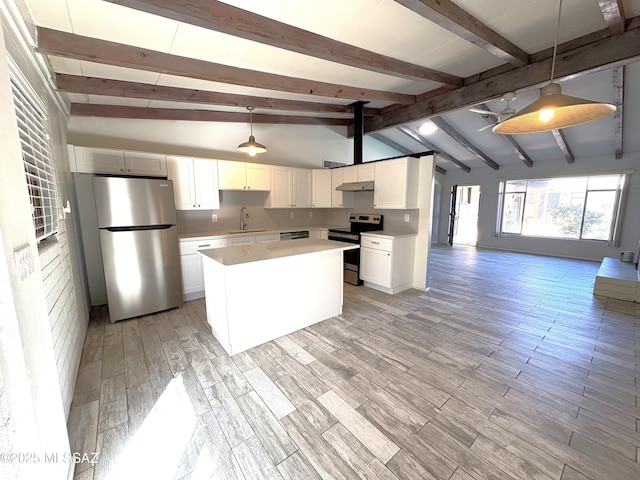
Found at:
(294, 235)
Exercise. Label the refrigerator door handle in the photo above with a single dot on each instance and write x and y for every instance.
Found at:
(134, 229)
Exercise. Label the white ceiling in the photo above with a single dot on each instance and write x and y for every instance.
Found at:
(381, 26)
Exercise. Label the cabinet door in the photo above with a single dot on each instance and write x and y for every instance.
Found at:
(365, 172)
(267, 237)
(350, 174)
(301, 188)
(205, 179)
(232, 175)
(339, 199)
(99, 160)
(390, 189)
(375, 266)
(192, 274)
(147, 164)
(280, 195)
(321, 188)
(241, 239)
(180, 171)
(258, 177)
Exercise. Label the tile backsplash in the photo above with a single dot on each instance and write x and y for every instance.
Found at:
(199, 221)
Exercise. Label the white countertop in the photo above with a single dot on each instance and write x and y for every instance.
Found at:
(256, 252)
(390, 234)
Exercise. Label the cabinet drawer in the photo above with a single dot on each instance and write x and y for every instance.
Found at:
(192, 246)
(377, 243)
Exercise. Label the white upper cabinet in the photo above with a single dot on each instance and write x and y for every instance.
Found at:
(290, 188)
(363, 172)
(243, 176)
(339, 199)
(281, 193)
(117, 162)
(195, 183)
(139, 163)
(396, 183)
(301, 188)
(366, 172)
(321, 188)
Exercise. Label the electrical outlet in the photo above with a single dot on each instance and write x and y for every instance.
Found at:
(291, 215)
(214, 217)
(406, 217)
(310, 214)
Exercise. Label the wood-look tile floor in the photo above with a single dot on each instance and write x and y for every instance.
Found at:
(508, 368)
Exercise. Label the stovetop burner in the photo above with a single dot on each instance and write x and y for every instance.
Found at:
(361, 222)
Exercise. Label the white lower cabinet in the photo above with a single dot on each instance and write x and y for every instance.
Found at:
(191, 265)
(386, 263)
(267, 237)
(241, 240)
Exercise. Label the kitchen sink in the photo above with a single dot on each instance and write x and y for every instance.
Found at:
(233, 232)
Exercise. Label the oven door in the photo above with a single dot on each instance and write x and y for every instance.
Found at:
(352, 266)
(351, 257)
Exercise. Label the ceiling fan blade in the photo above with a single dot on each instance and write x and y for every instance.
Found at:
(490, 125)
(483, 112)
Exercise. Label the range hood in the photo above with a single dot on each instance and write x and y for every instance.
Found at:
(356, 187)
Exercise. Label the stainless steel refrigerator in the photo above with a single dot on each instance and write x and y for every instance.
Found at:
(139, 240)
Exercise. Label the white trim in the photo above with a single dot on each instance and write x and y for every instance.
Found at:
(20, 30)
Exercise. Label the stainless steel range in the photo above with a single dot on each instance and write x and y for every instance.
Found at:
(359, 222)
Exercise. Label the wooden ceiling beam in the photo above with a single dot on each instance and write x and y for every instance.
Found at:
(456, 20)
(613, 13)
(390, 143)
(402, 149)
(618, 101)
(224, 18)
(561, 140)
(69, 45)
(447, 128)
(515, 146)
(411, 133)
(603, 54)
(118, 111)
(117, 88)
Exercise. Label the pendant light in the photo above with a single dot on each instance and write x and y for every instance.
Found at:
(553, 110)
(252, 147)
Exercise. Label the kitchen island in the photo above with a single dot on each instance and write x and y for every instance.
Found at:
(258, 292)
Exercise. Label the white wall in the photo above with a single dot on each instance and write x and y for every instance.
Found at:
(32, 390)
(294, 145)
(489, 180)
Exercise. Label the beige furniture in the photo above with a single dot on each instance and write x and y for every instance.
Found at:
(616, 279)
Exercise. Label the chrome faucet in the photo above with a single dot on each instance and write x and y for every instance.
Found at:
(243, 215)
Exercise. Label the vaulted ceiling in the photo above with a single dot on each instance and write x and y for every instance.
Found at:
(306, 62)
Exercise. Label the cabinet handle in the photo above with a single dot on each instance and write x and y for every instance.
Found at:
(202, 246)
(193, 205)
(375, 243)
(249, 187)
(122, 169)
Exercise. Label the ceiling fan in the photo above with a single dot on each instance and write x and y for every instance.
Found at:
(502, 116)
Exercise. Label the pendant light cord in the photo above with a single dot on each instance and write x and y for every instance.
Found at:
(251, 119)
(555, 45)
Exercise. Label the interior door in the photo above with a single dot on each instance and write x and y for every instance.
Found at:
(453, 213)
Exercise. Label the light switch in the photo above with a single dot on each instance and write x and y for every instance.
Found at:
(24, 262)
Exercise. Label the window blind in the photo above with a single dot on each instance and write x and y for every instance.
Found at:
(36, 157)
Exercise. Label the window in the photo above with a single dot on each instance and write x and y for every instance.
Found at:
(572, 207)
(36, 157)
